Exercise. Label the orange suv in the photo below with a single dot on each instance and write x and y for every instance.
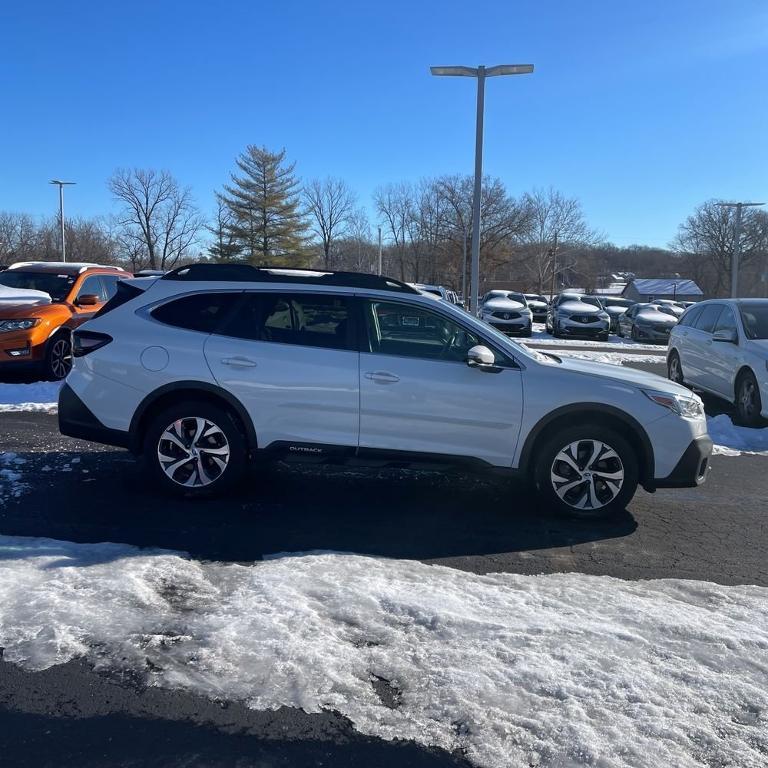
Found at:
(40, 303)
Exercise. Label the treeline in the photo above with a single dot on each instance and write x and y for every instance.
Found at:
(266, 215)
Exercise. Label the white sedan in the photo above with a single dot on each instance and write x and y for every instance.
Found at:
(508, 312)
(721, 347)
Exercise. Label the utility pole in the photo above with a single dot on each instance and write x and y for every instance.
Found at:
(61, 185)
(479, 73)
(554, 268)
(379, 250)
(737, 243)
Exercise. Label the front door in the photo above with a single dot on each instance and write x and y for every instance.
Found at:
(417, 393)
(291, 359)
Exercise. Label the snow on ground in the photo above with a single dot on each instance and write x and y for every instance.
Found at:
(11, 485)
(540, 336)
(615, 358)
(732, 440)
(557, 670)
(40, 396)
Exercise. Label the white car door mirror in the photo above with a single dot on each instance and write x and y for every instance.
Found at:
(481, 357)
(727, 335)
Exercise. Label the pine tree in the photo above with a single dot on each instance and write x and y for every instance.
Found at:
(267, 223)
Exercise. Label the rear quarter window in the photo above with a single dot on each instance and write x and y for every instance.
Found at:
(202, 312)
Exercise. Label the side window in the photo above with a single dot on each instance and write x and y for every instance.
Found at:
(109, 285)
(411, 331)
(309, 320)
(726, 321)
(202, 312)
(708, 317)
(690, 317)
(92, 286)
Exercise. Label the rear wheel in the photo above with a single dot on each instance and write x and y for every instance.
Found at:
(58, 358)
(749, 404)
(675, 368)
(195, 449)
(586, 471)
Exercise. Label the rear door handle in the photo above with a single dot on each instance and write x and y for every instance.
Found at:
(382, 377)
(239, 362)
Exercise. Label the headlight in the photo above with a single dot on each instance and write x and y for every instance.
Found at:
(687, 406)
(526, 312)
(18, 325)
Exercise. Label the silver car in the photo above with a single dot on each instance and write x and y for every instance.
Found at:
(573, 314)
(508, 312)
(647, 322)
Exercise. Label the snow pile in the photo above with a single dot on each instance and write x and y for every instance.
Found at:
(10, 476)
(558, 670)
(40, 396)
(22, 296)
(731, 440)
(614, 358)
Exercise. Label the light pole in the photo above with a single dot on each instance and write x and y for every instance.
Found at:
(61, 185)
(736, 243)
(380, 265)
(480, 73)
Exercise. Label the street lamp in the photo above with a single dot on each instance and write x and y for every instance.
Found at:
(61, 185)
(736, 243)
(480, 73)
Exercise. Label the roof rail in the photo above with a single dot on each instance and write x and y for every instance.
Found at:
(249, 274)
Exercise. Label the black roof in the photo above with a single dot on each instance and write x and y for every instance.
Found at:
(249, 274)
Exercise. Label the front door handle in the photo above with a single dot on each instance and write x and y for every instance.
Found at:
(382, 377)
(239, 362)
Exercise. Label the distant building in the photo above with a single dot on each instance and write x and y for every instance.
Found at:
(648, 289)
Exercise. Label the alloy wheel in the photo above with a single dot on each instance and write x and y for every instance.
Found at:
(587, 474)
(748, 398)
(61, 358)
(193, 452)
(675, 370)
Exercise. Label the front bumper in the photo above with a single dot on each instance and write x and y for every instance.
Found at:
(572, 328)
(510, 326)
(692, 468)
(652, 334)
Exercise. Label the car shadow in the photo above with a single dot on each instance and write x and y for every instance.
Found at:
(104, 496)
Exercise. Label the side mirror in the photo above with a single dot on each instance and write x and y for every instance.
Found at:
(87, 300)
(727, 335)
(481, 357)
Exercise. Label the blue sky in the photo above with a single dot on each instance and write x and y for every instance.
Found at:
(640, 109)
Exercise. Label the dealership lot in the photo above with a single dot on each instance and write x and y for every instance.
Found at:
(63, 490)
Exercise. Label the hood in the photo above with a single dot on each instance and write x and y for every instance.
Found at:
(615, 310)
(537, 304)
(652, 316)
(503, 305)
(10, 298)
(579, 308)
(624, 375)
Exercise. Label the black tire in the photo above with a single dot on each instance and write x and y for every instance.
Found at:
(634, 334)
(675, 368)
(58, 357)
(612, 497)
(604, 337)
(220, 431)
(527, 333)
(749, 404)
(619, 332)
(555, 330)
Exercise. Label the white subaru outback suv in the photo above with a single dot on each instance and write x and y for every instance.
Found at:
(212, 366)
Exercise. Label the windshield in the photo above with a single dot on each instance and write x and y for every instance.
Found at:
(592, 300)
(535, 297)
(755, 320)
(56, 286)
(618, 302)
(518, 297)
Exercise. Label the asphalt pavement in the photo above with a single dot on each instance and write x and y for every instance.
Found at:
(71, 716)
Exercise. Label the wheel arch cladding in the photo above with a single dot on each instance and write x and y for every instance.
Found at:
(171, 394)
(592, 413)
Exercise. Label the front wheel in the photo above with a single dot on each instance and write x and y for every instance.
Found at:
(58, 358)
(586, 471)
(749, 404)
(675, 368)
(195, 449)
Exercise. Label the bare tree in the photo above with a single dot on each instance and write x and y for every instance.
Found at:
(557, 230)
(330, 203)
(158, 217)
(708, 235)
(19, 237)
(394, 203)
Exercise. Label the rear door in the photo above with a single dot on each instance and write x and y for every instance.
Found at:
(723, 359)
(417, 394)
(696, 365)
(291, 359)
